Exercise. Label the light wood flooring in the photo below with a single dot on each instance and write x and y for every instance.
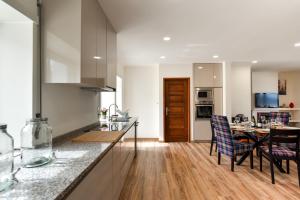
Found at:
(186, 171)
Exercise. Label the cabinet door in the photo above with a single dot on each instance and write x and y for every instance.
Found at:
(111, 56)
(218, 75)
(101, 47)
(203, 75)
(61, 45)
(117, 183)
(128, 151)
(97, 185)
(218, 101)
(89, 42)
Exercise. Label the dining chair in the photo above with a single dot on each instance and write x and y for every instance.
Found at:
(277, 152)
(226, 144)
(284, 117)
(236, 136)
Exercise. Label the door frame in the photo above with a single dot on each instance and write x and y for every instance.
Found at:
(189, 105)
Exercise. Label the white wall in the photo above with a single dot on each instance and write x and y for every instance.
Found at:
(16, 76)
(264, 81)
(172, 71)
(141, 98)
(68, 107)
(241, 89)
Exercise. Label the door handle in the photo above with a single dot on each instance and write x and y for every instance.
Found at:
(167, 111)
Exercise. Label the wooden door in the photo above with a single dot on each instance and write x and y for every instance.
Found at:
(176, 109)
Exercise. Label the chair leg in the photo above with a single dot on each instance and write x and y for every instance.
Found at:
(287, 166)
(232, 164)
(260, 161)
(216, 147)
(211, 146)
(298, 167)
(280, 163)
(251, 159)
(219, 158)
(272, 170)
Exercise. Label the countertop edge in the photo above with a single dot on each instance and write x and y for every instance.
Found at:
(68, 190)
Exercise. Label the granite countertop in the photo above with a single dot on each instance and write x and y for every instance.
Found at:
(57, 179)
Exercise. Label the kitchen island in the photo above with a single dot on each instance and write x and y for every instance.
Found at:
(94, 170)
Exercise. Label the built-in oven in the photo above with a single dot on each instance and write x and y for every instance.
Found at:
(204, 111)
(203, 94)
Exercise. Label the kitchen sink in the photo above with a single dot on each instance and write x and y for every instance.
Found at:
(120, 119)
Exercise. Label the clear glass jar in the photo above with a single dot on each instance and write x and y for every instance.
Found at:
(6, 158)
(36, 143)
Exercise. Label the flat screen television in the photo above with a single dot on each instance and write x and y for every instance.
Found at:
(266, 100)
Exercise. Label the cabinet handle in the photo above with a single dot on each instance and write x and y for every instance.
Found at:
(167, 111)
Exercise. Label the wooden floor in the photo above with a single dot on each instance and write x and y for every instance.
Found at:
(186, 171)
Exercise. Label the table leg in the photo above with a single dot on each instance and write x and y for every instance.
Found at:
(242, 159)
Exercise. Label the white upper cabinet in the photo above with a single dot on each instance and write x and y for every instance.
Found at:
(111, 56)
(101, 48)
(89, 55)
(79, 44)
(208, 75)
(218, 75)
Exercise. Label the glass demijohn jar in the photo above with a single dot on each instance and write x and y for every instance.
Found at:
(36, 142)
(6, 158)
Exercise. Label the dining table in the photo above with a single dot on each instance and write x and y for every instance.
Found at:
(258, 136)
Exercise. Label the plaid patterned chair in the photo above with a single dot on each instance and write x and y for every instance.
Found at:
(280, 153)
(226, 143)
(283, 116)
(285, 119)
(236, 136)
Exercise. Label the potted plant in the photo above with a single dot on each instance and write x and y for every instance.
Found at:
(102, 113)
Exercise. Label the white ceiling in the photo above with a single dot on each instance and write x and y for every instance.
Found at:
(9, 14)
(236, 30)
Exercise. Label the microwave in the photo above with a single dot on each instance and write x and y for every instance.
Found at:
(202, 94)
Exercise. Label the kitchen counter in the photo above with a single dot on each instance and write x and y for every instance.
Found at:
(73, 162)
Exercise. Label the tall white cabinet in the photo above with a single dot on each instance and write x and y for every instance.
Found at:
(208, 75)
(79, 44)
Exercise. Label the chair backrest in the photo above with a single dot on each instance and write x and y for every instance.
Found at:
(283, 116)
(286, 136)
(223, 134)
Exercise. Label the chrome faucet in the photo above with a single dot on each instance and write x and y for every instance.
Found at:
(116, 107)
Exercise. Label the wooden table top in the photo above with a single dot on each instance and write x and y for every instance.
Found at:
(260, 130)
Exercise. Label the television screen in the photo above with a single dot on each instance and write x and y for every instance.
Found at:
(266, 100)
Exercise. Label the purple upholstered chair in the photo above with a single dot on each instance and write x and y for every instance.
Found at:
(280, 153)
(283, 116)
(226, 143)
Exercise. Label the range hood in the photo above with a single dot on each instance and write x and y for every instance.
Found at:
(98, 89)
(96, 85)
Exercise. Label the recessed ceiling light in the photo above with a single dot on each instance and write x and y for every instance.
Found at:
(162, 57)
(297, 44)
(215, 56)
(254, 62)
(200, 67)
(97, 57)
(167, 38)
